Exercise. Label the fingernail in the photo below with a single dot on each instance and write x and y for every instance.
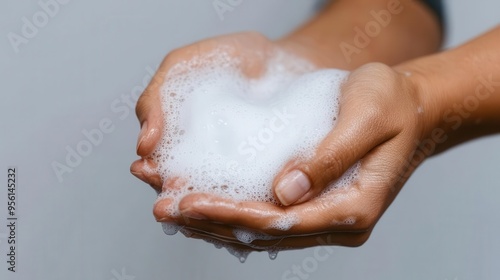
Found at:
(292, 187)
(193, 215)
(142, 135)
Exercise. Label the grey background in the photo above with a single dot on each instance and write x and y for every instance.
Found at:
(97, 223)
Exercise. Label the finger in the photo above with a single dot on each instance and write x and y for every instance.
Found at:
(388, 167)
(355, 134)
(149, 109)
(354, 209)
(252, 215)
(231, 243)
(347, 210)
(150, 115)
(226, 232)
(164, 208)
(244, 249)
(144, 169)
(326, 239)
(215, 230)
(294, 242)
(162, 211)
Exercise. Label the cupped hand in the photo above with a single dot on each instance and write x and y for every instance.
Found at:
(381, 121)
(251, 49)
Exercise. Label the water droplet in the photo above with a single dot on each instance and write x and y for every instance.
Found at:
(273, 254)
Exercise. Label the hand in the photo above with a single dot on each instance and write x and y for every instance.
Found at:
(252, 49)
(380, 123)
(384, 117)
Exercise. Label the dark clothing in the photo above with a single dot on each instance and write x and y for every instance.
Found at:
(437, 7)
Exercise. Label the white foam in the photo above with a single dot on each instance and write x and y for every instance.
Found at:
(284, 223)
(170, 228)
(229, 135)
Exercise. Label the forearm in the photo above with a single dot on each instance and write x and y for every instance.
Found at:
(350, 33)
(460, 88)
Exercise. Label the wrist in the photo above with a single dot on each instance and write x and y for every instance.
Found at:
(428, 93)
(458, 98)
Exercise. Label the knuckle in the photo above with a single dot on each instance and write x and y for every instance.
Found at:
(330, 163)
(363, 225)
(366, 217)
(324, 170)
(373, 111)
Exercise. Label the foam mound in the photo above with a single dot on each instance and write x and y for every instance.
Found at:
(229, 135)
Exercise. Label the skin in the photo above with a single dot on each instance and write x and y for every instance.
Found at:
(398, 111)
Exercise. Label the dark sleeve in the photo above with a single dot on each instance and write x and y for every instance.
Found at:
(438, 8)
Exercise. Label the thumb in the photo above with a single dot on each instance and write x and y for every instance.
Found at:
(150, 115)
(356, 133)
